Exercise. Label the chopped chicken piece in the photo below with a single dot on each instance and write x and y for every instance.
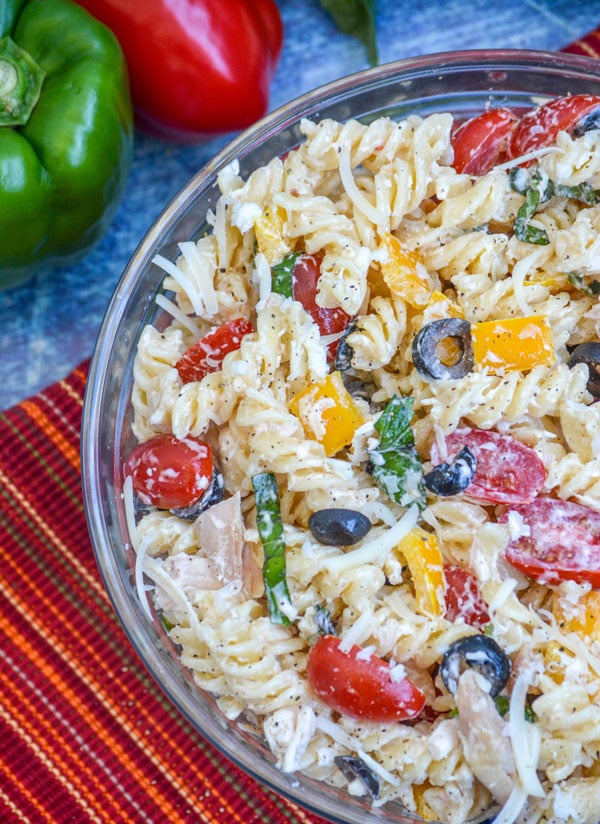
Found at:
(220, 530)
(252, 578)
(288, 732)
(484, 736)
(191, 573)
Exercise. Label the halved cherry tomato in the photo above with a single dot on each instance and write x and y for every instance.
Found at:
(556, 541)
(539, 127)
(360, 685)
(481, 142)
(463, 598)
(307, 270)
(170, 473)
(206, 355)
(507, 471)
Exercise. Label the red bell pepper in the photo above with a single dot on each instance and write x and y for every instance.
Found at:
(198, 68)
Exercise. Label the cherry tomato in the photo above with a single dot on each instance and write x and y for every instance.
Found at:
(507, 471)
(539, 127)
(206, 355)
(360, 685)
(307, 271)
(463, 598)
(170, 473)
(556, 541)
(481, 142)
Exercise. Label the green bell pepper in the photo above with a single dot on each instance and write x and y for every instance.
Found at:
(66, 134)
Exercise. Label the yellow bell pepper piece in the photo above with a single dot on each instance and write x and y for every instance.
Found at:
(439, 307)
(422, 554)
(404, 273)
(554, 661)
(513, 344)
(584, 620)
(268, 231)
(422, 807)
(556, 282)
(328, 413)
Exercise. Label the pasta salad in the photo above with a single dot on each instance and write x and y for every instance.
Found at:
(366, 490)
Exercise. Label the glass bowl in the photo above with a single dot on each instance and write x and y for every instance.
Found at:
(462, 83)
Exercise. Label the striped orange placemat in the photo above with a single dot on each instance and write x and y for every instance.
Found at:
(85, 734)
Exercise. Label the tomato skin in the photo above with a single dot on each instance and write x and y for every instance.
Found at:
(206, 355)
(195, 70)
(307, 271)
(170, 473)
(507, 471)
(539, 127)
(563, 543)
(360, 687)
(463, 598)
(481, 142)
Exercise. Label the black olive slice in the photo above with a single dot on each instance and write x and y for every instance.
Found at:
(212, 495)
(356, 386)
(589, 353)
(587, 123)
(338, 527)
(344, 352)
(447, 479)
(359, 388)
(323, 621)
(478, 652)
(450, 334)
(353, 767)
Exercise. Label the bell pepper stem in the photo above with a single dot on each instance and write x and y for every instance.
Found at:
(21, 82)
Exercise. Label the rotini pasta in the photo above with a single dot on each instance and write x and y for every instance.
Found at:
(416, 514)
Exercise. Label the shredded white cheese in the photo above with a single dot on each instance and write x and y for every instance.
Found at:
(505, 590)
(140, 551)
(199, 266)
(341, 737)
(154, 569)
(375, 551)
(262, 279)
(510, 811)
(175, 311)
(360, 629)
(183, 280)
(525, 738)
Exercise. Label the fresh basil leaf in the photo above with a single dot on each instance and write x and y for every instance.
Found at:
(282, 280)
(503, 703)
(270, 529)
(591, 288)
(539, 188)
(530, 234)
(357, 18)
(583, 192)
(519, 180)
(393, 425)
(166, 623)
(395, 463)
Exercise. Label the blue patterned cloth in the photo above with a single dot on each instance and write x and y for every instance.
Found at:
(49, 325)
